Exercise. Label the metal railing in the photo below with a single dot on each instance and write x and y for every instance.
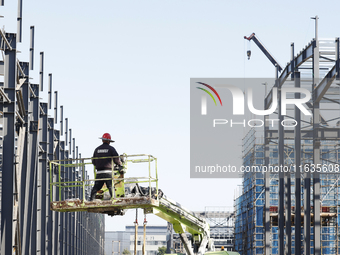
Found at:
(61, 169)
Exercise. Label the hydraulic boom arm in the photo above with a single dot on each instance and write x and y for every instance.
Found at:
(183, 221)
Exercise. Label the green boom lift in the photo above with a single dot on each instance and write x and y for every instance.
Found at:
(128, 194)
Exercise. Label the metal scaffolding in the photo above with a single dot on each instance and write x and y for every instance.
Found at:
(298, 211)
(29, 140)
(221, 221)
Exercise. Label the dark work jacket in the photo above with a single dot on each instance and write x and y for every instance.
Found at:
(105, 150)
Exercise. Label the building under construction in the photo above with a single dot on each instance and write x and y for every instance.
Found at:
(295, 211)
(29, 139)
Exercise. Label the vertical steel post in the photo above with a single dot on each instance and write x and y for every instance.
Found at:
(25, 172)
(281, 216)
(70, 142)
(73, 149)
(337, 62)
(66, 131)
(1, 136)
(62, 198)
(19, 21)
(292, 63)
(41, 72)
(73, 214)
(288, 213)
(49, 91)
(316, 146)
(67, 215)
(31, 202)
(307, 213)
(8, 166)
(41, 181)
(297, 160)
(55, 192)
(61, 120)
(31, 61)
(55, 107)
(50, 223)
(267, 184)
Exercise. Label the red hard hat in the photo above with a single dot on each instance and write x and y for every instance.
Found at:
(106, 137)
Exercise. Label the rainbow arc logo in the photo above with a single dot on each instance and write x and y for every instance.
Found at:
(209, 93)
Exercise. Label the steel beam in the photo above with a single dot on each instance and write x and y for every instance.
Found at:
(31, 62)
(337, 61)
(267, 227)
(31, 183)
(41, 72)
(25, 162)
(302, 57)
(324, 85)
(8, 166)
(70, 142)
(323, 134)
(316, 144)
(281, 216)
(55, 107)
(55, 190)
(50, 222)
(41, 182)
(288, 213)
(66, 131)
(62, 218)
(297, 161)
(307, 213)
(19, 21)
(49, 91)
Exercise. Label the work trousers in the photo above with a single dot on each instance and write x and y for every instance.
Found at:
(99, 184)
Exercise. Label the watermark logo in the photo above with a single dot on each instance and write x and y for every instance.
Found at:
(239, 98)
(204, 98)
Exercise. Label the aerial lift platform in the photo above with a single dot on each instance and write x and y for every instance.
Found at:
(72, 196)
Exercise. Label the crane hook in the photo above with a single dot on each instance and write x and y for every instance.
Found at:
(248, 54)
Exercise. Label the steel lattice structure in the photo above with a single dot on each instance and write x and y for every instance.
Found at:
(297, 211)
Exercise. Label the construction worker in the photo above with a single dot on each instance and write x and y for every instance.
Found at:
(222, 248)
(104, 166)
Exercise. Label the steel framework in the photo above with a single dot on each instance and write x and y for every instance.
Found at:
(29, 140)
(306, 206)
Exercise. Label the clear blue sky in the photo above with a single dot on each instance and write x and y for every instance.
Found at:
(124, 67)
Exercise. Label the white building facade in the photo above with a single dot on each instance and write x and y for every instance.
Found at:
(117, 241)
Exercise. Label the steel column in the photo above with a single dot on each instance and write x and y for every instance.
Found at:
(31, 61)
(288, 214)
(25, 161)
(41, 72)
(32, 201)
(56, 215)
(55, 107)
(50, 223)
(62, 235)
(8, 167)
(316, 146)
(19, 21)
(267, 187)
(41, 181)
(49, 91)
(281, 216)
(297, 160)
(307, 213)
